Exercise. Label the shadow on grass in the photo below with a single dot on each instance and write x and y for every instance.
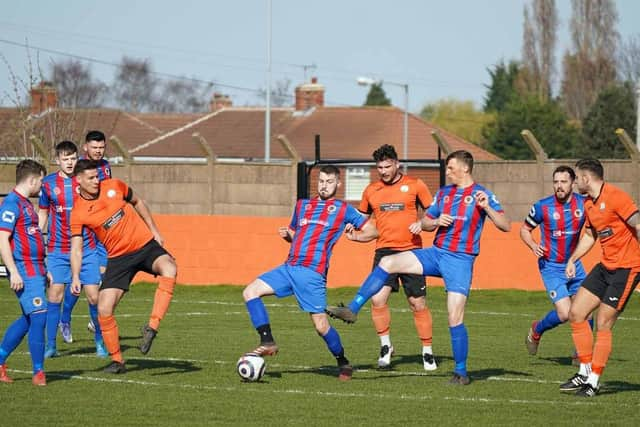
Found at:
(168, 367)
(613, 387)
(90, 349)
(483, 374)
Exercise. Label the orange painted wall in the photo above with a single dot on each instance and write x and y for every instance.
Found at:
(235, 250)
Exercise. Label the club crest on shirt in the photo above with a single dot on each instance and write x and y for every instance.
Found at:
(56, 191)
(552, 294)
(404, 188)
(331, 208)
(111, 194)
(602, 206)
(32, 230)
(37, 302)
(577, 213)
(444, 199)
(468, 200)
(555, 215)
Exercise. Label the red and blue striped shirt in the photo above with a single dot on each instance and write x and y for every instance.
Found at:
(463, 235)
(560, 225)
(19, 218)
(317, 225)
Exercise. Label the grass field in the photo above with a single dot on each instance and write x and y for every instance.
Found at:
(189, 376)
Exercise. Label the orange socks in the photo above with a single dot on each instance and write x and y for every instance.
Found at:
(110, 336)
(161, 301)
(583, 340)
(424, 325)
(601, 351)
(381, 317)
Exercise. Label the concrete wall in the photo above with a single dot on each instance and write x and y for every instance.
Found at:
(259, 189)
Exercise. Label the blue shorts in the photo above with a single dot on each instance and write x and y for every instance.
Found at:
(556, 282)
(308, 286)
(455, 268)
(102, 255)
(59, 266)
(32, 295)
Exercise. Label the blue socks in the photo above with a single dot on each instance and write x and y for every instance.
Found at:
(257, 312)
(37, 322)
(460, 347)
(550, 321)
(370, 287)
(93, 313)
(70, 301)
(12, 337)
(53, 318)
(332, 339)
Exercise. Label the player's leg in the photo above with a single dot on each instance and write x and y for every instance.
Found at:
(381, 317)
(12, 338)
(421, 318)
(68, 303)
(32, 301)
(108, 300)
(403, 262)
(273, 282)
(585, 301)
(622, 282)
(334, 344)
(90, 278)
(55, 294)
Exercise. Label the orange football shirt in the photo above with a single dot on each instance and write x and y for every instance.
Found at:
(395, 207)
(114, 220)
(607, 216)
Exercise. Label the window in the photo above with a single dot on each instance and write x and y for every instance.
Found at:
(357, 180)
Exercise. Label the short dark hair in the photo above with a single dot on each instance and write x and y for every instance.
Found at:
(84, 165)
(563, 169)
(330, 170)
(64, 148)
(95, 135)
(27, 168)
(462, 156)
(385, 152)
(593, 166)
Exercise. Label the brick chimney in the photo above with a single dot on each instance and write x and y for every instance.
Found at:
(43, 97)
(309, 95)
(219, 101)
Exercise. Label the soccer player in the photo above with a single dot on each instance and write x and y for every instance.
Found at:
(315, 227)
(93, 149)
(22, 250)
(394, 202)
(59, 190)
(123, 223)
(560, 217)
(458, 213)
(612, 217)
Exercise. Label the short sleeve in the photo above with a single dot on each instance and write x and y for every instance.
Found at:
(294, 218)
(9, 213)
(365, 206)
(43, 200)
(433, 211)
(423, 194)
(354, 217)
(535, 216)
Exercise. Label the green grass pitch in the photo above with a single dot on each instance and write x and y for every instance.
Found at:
(189, 376)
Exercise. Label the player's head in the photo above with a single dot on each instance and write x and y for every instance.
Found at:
(563, 178)
(86, 173)
(29, 174)
(387, 163)
(328, 181)
(66, 157)
(459, 166)
(94, 145)
(589, 172)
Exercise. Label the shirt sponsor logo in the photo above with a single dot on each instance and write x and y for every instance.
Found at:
(305, 221)
(113, 220)
(391, 207)
(607, 232)
(8, 216)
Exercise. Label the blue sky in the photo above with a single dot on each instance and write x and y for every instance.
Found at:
(441, 49)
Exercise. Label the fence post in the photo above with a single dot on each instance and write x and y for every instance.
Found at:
(634, 154)
(211, 162)
(540, 154)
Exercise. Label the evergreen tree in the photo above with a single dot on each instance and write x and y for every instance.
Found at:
(502, 87)
(377, 96)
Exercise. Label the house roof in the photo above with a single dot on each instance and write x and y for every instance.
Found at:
(345, 132)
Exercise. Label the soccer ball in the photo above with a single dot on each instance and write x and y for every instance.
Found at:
(250, 367)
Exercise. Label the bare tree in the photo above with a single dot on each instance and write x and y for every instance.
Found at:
(183, 96)
(280, 94)
(134, 85)
(629, 60)
(539, 41)
(590, 65)
(76, 86)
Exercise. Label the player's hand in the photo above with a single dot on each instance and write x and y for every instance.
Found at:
(349, 228)
(444, 220)
(283, 232)
(351, 233)
(540, 251)
(415, 227)
(76, 287)
(481, 199)
(570, 270)
(16, 281)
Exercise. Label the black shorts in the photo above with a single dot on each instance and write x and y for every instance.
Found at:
(613, 287)
(414, 285)
(121, 269)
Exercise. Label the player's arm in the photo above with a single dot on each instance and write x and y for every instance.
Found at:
(76, 263)
(634, 222)
(500, 219)
(144, 212)
(9, 262)
(367, 233)
(527, 237)
(43, 215)
(585, 243)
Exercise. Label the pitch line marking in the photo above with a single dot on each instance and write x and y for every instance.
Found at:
(411, 397)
